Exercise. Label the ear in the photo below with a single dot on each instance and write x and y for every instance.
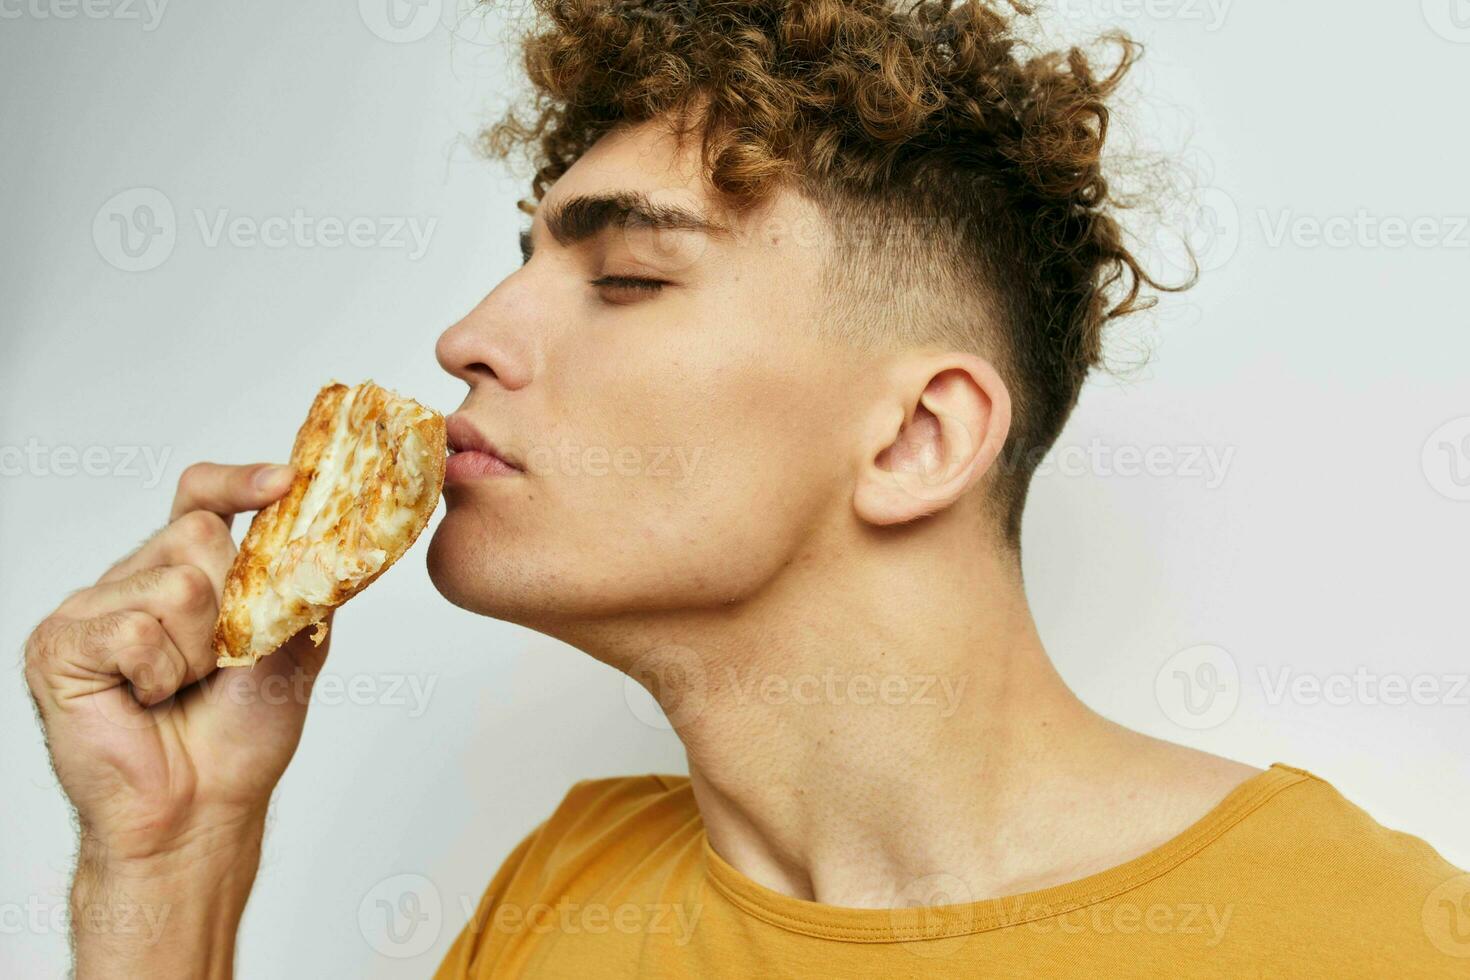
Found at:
(943, 433)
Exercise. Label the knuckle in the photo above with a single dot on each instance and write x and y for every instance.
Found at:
(185, 587)
(193, 476)
(48, 627)
(39, 644)
(124, 629)
(200, 527)
(157, 675)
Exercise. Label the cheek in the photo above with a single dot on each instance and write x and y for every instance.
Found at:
(726, 471)
(687, 478)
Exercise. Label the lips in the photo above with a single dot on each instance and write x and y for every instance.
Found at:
(462, 437)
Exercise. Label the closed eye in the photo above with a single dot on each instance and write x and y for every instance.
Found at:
(635, 284)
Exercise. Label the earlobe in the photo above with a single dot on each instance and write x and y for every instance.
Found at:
(950, 434)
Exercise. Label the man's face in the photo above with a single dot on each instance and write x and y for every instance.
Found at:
(680, 445)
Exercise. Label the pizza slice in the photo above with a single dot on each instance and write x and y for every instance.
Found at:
(369, 471)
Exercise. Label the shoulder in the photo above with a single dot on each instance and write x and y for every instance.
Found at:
(1313, 823)
(615, 793)
(1283, 816)
(601, 831)
(620, 815)
(616, 799)
(1305, 853)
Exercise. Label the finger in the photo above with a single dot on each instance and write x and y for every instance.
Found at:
(199, 538)
(181, 597)
(85, 656)
(229, 490)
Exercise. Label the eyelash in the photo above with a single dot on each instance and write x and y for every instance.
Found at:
(635, 283)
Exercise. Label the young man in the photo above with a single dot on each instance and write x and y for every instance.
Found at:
(850, 266)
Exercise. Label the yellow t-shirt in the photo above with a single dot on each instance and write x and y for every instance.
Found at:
(1284, 878)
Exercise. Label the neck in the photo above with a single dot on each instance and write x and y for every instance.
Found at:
(867, 723)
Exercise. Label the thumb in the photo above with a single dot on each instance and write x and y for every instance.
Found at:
(229, 490)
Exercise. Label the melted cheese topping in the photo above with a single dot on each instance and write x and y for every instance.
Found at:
(314, 561)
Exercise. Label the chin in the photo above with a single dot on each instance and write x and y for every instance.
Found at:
(456, 563)
(478, 564)
(483, 574)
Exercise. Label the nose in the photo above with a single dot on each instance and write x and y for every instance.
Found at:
(492, 341)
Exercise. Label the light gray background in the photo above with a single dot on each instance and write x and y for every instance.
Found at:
(1328, 536)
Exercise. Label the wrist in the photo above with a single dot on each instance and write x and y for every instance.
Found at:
(160, 846)
(172, 912)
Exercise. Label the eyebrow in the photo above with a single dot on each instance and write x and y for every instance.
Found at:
(585, 216)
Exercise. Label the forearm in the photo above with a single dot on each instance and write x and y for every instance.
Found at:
(168, 915)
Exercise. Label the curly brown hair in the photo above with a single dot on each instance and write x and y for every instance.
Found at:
(924, 126)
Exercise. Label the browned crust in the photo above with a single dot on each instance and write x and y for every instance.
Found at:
(271, 526)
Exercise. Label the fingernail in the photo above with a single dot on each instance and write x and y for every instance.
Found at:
(270, 477)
